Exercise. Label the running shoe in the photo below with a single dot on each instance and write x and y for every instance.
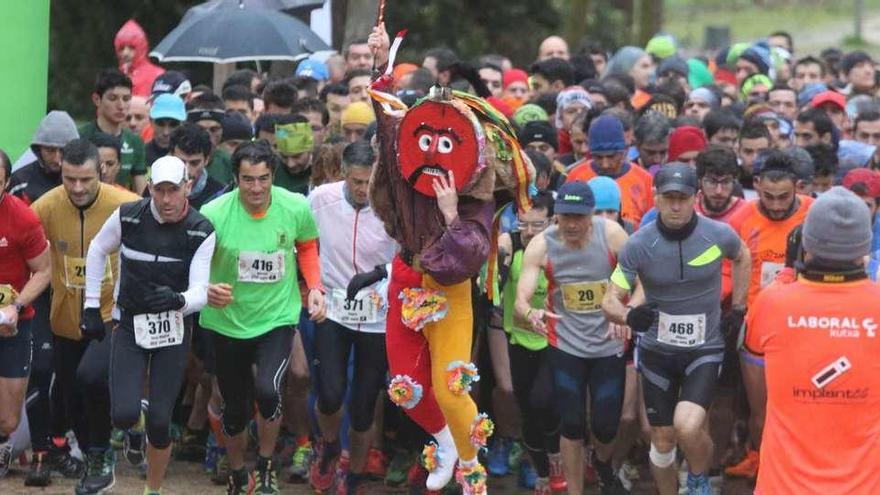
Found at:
(377, 464)
(133, 447)
(557, 475)
(516, 455)
(5, 457)
(542, 487)
(100, 475)
(240, 483)
(526, 475)
(62, 461)
(265, 478)
(323, 469)
(498, 457)
(40, 472)
(299, 466)
(747, 468)
(698, 485)
(191, 447)
(220, 476)
(116, 438)
(398, 468)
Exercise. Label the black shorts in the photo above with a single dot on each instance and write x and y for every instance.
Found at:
(203, 345)
(16, 352)
(669, 378)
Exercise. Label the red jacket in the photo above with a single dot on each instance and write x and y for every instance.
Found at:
(141, 71)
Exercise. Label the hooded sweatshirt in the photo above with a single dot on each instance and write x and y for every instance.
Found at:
(141, 71)
(33, 180)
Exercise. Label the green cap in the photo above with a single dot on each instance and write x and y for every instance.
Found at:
(294, 138)
(698, 74)
(528, 113)
(661, 46)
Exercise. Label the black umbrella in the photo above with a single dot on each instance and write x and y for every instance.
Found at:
(236, 34)
(292, 7)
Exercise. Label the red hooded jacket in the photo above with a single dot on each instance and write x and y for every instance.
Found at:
(141, 71)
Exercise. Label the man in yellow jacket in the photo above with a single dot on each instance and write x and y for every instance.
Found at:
(71, 215)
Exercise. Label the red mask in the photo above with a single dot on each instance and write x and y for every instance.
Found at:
(435, 139)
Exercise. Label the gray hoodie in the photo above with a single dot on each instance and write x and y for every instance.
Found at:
(56, 130)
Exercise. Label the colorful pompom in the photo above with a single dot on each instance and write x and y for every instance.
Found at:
(481, 430)
(422, 306)
(430, 457)
(404, 391)
(472, 479)
(460, 377)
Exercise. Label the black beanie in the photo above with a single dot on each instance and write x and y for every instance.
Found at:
(538, 130)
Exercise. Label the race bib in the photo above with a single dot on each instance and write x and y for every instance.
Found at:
(769, 271)
(154, 330)
(75, 272)
(682, 330)
(261, 268)
(7, 295)
(364, 308)
(583, 297)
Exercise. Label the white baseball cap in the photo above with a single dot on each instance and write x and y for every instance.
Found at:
(168, 169)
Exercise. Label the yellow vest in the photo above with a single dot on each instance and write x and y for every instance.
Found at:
(70, 231)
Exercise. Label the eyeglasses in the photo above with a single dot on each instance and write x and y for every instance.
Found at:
(714, 182)
(532, 225)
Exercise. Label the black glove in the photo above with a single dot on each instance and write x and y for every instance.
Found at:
(91, 324)
(640, 318)
(732, 322)
(163, 298)
(365, 279)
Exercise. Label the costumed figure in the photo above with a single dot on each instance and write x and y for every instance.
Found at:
(442, 165)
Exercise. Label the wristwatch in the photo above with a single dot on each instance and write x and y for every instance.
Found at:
(19, 307)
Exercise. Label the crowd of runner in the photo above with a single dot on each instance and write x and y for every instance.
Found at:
(198, 276)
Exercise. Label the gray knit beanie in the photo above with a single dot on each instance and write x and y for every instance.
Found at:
(838, 227)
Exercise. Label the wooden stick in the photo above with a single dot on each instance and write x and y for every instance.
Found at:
(381, 17)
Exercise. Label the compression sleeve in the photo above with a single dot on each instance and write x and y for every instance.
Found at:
(196, 294)
(309, 265)
(107, 241)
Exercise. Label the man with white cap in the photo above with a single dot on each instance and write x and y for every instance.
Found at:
(165, 257)
(817, 336)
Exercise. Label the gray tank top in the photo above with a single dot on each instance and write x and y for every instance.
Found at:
(577, 280)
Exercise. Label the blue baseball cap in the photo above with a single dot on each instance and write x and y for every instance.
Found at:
(168, 106)
(314, 69)
(606, 193)
(575, 198)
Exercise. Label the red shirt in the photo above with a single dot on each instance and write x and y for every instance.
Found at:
(21, 239)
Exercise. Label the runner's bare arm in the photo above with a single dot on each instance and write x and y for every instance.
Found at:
(534, 260)
(41, 276)
(616, 237)
(741, 268)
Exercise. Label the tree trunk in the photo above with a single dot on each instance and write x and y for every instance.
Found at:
(650, 20)
(575, 27)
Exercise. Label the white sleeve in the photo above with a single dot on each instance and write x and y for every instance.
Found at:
(196, 295)
(107, 241)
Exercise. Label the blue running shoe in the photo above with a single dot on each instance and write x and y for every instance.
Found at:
(497, 459)
(698, 485)
(527, 475)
